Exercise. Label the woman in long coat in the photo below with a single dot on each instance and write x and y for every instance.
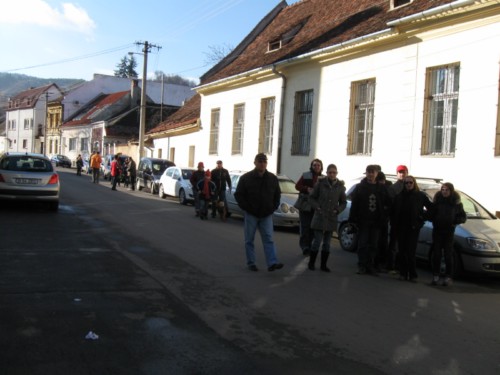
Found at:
(328, 200)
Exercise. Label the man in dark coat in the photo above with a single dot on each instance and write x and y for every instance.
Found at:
(258, 194)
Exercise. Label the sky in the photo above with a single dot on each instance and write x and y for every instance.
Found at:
(77, 39)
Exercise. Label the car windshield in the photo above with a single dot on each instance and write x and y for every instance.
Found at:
(186, 174)
(26, 163)
(472, 208)
(159, 167)
(287, 186)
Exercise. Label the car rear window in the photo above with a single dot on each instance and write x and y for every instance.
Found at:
(26, 163)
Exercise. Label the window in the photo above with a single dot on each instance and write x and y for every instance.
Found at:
(13, 124)
(274, 45)
(497, 138)
(72, 144)
(266, 125)
(441, 110)
(302, 123)
(213, 148)
(25, 143)
(238, 128)
(399, 3)
(84, 144)
(26, 124)
(361, 117)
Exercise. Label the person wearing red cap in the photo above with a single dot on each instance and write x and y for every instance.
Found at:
(206, 194)
(196, 177)
(392, 263)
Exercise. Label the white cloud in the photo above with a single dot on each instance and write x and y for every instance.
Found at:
(39, 12)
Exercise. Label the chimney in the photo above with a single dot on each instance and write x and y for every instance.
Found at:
(134, 92)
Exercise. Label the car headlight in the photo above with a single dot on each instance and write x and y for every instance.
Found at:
(480, 244)
(284, 208)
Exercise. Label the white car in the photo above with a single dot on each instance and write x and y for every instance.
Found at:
(175, 182)
(286, 215)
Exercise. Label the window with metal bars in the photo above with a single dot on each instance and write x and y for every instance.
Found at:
(361, 117)
(213, 148)
(266, 125)
(238, 129)
(302, 124)
(441, 110)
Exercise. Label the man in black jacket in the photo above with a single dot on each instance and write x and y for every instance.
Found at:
(258, 194)
(221, 179)
(368, 210)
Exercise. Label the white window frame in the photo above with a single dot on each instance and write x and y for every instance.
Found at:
(441, 110)
(266, 131)
(302, 124)
(213, 148)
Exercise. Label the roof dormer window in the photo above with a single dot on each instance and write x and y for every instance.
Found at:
(274, 45)
(399, 3)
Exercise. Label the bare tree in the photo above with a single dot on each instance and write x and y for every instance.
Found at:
(217, 53)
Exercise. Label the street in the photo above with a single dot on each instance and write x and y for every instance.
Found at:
(167, 293)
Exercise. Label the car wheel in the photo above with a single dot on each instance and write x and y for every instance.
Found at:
(138, 185)
(347, 239)
(161, 192)
(153, 188)
(182, 197)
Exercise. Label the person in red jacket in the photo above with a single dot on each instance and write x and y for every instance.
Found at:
(115, 172)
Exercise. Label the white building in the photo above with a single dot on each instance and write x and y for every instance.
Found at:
(410, 82)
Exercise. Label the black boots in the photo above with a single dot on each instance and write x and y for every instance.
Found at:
(324, 259)
(312, 259)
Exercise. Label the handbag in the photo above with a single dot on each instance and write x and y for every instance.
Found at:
(302, 203)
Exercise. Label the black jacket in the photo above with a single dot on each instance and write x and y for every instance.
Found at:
(408, 209)
(447, 213)
(220, 177)
(258, 195)
(370, 203)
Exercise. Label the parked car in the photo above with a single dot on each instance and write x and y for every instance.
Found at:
(285, 216)
(149, 172)
(61, 161)
(29, 177)
(477, 241)
(175, 182)
(106, 164)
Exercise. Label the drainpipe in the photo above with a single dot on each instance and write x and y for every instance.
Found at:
(281, 119)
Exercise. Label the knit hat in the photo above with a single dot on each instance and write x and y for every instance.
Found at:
(208, 173)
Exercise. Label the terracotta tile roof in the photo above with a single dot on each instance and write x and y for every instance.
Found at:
(88, 116)
(29, 98)
(310, 25)
(188, 114)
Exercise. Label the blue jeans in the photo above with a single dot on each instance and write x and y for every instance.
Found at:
(265, 227)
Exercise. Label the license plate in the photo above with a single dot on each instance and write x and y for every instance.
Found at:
(27, 181)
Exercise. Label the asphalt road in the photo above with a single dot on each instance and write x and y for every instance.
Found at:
(168, 293)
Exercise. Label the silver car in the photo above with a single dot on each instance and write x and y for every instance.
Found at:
(175, 182)
(285, 216)
(28, 176)
(477, 241)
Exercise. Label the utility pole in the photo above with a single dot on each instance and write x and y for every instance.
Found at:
(142, 123)
(45, 123)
